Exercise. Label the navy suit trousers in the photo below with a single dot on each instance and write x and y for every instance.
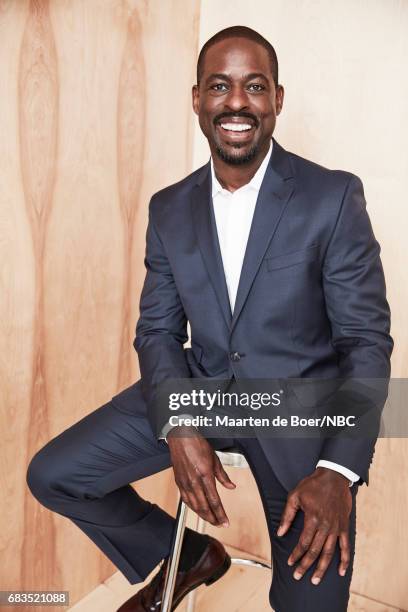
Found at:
(84, 474)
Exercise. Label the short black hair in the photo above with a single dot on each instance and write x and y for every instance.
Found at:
(239, 32)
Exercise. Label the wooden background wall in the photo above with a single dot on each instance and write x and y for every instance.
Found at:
(95, 116)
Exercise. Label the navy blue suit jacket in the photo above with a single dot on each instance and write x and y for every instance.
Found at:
(311, 301)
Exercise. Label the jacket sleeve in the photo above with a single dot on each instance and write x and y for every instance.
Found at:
(161, 329)
(355, 294)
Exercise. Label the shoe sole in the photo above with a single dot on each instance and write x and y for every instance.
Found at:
(223, 569)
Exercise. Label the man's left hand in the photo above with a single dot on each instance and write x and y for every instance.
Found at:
(326, 501)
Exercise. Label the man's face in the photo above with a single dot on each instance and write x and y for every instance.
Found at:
(237, 101)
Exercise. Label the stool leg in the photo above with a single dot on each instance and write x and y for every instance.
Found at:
(174, 557)
(201, 525)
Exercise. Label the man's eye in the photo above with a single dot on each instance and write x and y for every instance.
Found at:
(256, 87)
(218, 87)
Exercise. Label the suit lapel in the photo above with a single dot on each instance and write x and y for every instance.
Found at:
(274, 194)
(207, 238)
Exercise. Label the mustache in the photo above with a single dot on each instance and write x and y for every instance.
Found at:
(243, 114)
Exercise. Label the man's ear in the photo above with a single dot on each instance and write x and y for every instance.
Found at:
(280, 93)
(196, 98)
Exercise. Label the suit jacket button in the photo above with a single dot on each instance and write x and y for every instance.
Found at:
(235, 356)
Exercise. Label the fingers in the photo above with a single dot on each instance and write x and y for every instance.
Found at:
(305, 542)
(215, 501)
(345, 554)
(288, 515)
(311, 552)
(222, 475)
(195, 470)
(201, 495)
(322, 547)
(197, 501)
(192, 493)
(325, 558)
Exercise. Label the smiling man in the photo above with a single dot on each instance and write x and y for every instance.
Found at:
(272, 260)
(239, 132)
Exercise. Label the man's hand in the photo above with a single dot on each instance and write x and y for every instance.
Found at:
(196, 466)
(326, 501)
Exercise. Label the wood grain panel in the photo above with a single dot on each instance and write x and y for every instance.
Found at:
(38, 110)
(84, 111)
(131, 136)
(16, 306)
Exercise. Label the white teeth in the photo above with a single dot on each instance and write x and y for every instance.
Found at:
(236, 127)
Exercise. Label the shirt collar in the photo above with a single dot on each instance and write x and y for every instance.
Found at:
(254, 183)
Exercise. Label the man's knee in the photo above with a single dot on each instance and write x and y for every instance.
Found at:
(38, 475)
(46, 475)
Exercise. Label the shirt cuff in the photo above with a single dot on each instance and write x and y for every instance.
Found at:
(167, 427)
(351, 476)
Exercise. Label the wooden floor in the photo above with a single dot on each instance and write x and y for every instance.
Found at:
(240, 590)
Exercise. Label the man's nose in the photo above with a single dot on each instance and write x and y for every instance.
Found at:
(237, 99)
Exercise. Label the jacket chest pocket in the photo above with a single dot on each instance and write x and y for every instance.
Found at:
(293, 258)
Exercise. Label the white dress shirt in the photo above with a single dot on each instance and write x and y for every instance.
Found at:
(233, 215)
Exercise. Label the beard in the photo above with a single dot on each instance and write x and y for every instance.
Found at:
(238, 159)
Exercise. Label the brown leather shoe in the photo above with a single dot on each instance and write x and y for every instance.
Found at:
(213, 564)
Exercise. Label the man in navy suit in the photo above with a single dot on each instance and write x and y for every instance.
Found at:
(272, 260)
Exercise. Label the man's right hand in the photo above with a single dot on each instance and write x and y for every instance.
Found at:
(196, 466)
